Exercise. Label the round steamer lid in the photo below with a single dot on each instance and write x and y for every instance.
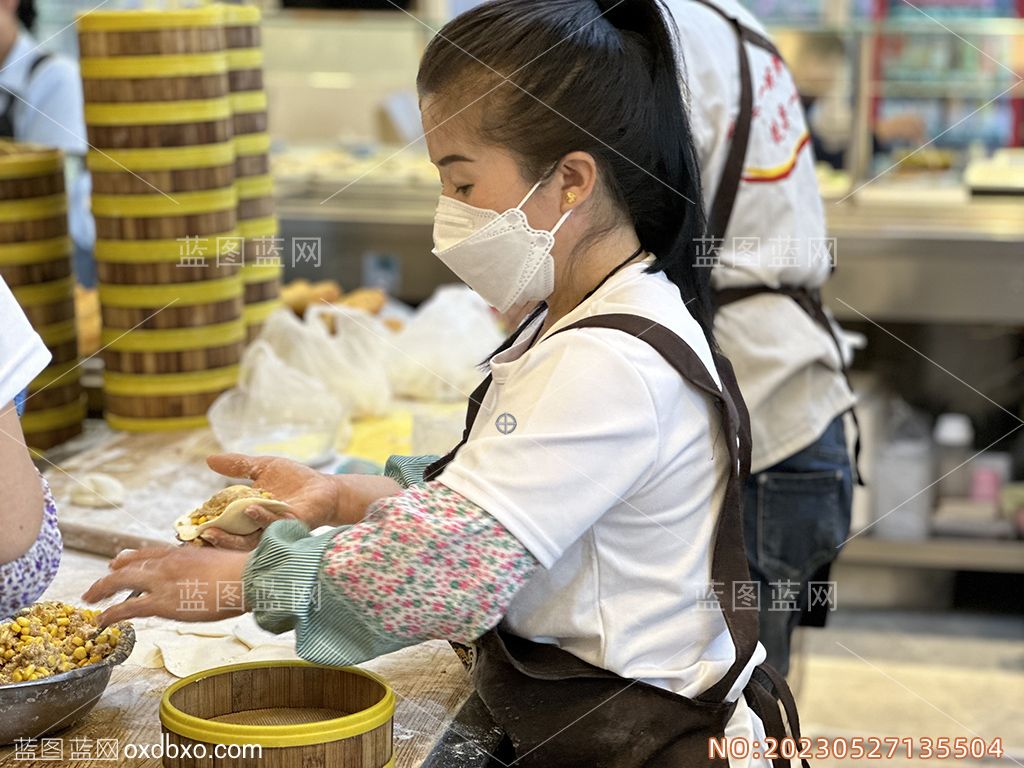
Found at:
(151, 18)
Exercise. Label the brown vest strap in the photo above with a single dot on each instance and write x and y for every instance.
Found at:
(732, 174)
(810, 302)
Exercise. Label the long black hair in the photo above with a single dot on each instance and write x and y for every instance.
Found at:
(599, 76)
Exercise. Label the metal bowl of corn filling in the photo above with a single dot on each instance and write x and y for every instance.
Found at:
(55, 663)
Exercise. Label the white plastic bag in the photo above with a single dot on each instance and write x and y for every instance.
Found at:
(350, 364)
(437, 355)
(360, 344)
(277, 410)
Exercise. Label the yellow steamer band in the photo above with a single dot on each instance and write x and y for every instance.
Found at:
(162, 158)
(34, 251)
(58, 333)
(158, 112)
(244, 58)
(44, 293)
(241, 15)
(177, 204)
(205, 248)
(244, 102)
(174, 339)
(254, 314)
(250, 187)
(54, 418)
(67, 373)
(146, 19)
(258, 273)
(212, 732)
(251, 229)
(170, 424)
(181, 294)
(31, 163)
(138, 67)
(249, 144)
(31, 208)
(157, 384)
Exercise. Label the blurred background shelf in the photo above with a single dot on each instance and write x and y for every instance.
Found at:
(955, 554)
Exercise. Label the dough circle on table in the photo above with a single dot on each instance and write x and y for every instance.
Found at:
(96, 489)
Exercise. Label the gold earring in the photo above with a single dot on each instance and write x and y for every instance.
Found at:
(570, 197)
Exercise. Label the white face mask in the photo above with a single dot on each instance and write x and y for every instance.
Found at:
(498, 255)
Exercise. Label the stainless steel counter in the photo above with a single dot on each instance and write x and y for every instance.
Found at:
(910, 256)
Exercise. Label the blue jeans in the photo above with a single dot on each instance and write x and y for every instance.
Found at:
(796, 514)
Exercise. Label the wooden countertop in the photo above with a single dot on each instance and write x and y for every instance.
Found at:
(163, 473)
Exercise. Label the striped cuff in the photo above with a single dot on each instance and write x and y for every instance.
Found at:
(284, 590)
(408, 471)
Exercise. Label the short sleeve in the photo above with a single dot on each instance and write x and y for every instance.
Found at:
(569, 435)
(22, 353)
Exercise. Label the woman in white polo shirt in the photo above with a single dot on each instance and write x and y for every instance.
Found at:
(581, 532)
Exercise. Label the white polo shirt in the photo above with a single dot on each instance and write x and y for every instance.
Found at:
(592, 450)
(22, 353)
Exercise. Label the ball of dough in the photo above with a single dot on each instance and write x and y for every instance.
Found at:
(97, 490)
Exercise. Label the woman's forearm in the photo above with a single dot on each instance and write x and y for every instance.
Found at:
(21, 510)
(357, 493)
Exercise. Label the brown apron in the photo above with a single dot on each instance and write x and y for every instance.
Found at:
(558, 710)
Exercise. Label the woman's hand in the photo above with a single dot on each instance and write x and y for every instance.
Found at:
(312, 496)
(183, 583)
(315, 498)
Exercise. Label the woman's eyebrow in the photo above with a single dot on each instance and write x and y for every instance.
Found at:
(449, 159)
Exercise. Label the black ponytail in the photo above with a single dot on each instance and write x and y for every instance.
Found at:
(599, 76)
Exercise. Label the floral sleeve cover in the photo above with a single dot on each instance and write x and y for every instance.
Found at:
(425, 564)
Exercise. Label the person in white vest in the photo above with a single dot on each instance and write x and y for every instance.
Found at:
(769, 253)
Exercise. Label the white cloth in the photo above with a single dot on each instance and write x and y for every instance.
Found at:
(787, 366)
(49, 110)
(612, 477)
(22, 353)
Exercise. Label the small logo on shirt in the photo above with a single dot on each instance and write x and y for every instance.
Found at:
(506, 423)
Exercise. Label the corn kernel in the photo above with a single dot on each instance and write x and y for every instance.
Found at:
(16, 677)
(76, 640)
(23, 620)
(79, 653)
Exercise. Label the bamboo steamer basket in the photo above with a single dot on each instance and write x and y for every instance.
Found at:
(256, 209)
(300, 714)
(35, 262)
(154, 78)
(165, 204)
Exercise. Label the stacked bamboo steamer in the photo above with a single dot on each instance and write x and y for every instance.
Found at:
(35, 262)
(162, 163)
(256, 220)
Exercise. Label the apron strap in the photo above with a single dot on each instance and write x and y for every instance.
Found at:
(810, 301)
(732, 174)
(728, 559)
